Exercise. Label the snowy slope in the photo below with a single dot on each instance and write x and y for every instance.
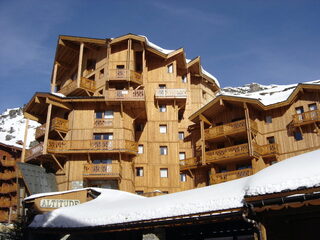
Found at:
(12, 127)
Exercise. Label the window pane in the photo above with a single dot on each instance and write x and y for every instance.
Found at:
(140, 149)
(99, 114)
(162, 108)
(108, 114)
(139, 171)
(181, 135)
(298, 136)
(183, 177)
(182, 155)
(268, 119)
(184, 79)
(170, 68)
(108, 136)
(163, 150)
(163, 128)
(163, 172)
(312, 106)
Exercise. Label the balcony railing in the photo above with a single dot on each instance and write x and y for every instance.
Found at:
(189, 163)
(6, 175)
(266, 150)
(228, 153)
(8, 188)
(101, 170)
(231, 175)
(8, 163)
(34, 151)
(5, 202)
(125, 95)
(57, 124)
(70, 146)
(85, 84)
(125, 74)
(306, 118)
(103, 123)
(228, 129)
(169, 93)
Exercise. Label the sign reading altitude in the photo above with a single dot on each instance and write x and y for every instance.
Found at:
(57, 203)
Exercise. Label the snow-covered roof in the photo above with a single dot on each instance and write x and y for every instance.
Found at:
(114, 207)
(268, 95)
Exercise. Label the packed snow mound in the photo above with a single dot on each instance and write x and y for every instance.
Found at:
(266, 94)
(113, 206)
(12, 127)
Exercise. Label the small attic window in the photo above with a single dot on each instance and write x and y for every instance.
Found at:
(170, 68)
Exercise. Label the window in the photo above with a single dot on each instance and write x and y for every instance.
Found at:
(184, 79)
(140, 149)
(139, 127)
(180, 116)
(268, 119)
(170, 68)
(104, 114)
(163, 108)
(299, 110)
(139, 171)
(183, 177)
(271, 140)
(163, 150)
(182, 155)
(243, 166)
(91, 64)
(165, 192)
(103, 136)
(181, 135)
(163, 128)
(312, 106)
(297, 135)
(163, 172)
(139, 192)
(4, 157)
(102, 161)
(120, 66)
(162, 86)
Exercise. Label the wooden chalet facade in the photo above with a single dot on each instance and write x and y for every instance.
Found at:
(117, 115)
(234, 137)
(9, 194)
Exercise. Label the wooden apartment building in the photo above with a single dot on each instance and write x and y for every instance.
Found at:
(117, 115)
(236, 136)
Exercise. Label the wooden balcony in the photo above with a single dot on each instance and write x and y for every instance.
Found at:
(125, 95)
(230, 175)
(103, 123)
(189, 163)
(8, 188)
(101, 171)
(84, 146)
(171, 93)
(229, 129)
(267, 150)
(57, 124)
(306, 118)
(34, 152)
(125, 75)
(7, 175)
(228, 153)
(8, 163)
(85, 85)
(5, 202)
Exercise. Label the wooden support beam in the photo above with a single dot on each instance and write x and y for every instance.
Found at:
(64, 65)
(30, 116)
(80, 64)
(248, 127)
(121, 109)
(71, 47)
(221, 102)
(60, 135)
(129, 53)
(54, 77)
(36, 99)
(57, 162)
(203, 118)
(46, 133)
(23, 154)
(60, 105)
(203, 144)
(89, 158)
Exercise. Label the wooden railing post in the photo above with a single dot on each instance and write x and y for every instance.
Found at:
(246, 112)
(203, 144)
(23, 154)
(46, 134)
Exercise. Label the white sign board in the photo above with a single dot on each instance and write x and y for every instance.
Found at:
(58, 203)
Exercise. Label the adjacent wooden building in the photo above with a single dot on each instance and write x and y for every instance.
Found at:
(117, 115)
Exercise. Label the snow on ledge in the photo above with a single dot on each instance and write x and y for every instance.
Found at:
(114, 207)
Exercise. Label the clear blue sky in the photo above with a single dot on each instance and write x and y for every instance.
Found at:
(239, 41)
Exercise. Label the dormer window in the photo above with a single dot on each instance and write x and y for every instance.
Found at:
(170, 68)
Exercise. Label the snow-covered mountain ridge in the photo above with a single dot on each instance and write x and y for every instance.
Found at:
(12, 128)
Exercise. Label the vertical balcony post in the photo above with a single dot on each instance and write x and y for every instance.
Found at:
(54, 77)
(80, 64)
(248, 127)
(46, 134)
(23, 154)
(203, 144)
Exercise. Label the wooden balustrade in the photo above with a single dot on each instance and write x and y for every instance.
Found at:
(5, 202)
(8, 162)
(103, 123)
(57, 124)
(306, 118)
(168, 93)
(189, 163)
(85, 84)
(40, 131)
(228, 129)
(8, 188)
(125, 74)
(230, 175)
(125, 95)
(227, 153)
(34, 151)
(7, 175)
(102, 170)
(56, 146)
(265, 150)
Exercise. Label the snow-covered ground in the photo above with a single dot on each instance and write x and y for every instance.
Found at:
(12, 127)
(113, 206)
